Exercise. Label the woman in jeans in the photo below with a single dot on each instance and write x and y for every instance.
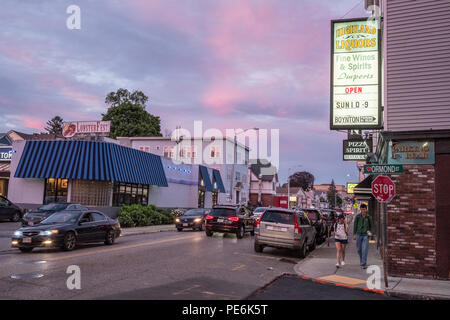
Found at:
(341, 239)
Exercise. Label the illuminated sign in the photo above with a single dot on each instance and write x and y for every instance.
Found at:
(411, 152)
(5, 154)
(356, 150)
(355, 75)
(351, 187)
(86, 127)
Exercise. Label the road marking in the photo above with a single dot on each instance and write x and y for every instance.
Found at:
(76, 255)
(186, 290)
(238, 267)
(342, 279)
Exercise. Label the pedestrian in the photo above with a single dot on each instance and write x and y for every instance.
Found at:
(340, 239)
(362, 230)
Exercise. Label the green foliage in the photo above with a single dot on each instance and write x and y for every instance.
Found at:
(140, 216)
(334, 199)
(128, 115)
(304, 180)
(55, 125)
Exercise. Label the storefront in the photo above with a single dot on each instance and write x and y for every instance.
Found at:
(5, 160)
(106, 175)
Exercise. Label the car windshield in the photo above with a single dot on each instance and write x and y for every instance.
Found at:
(194, 212)
(223, 212)
(54, 206)
(279, 217)
(257, 210)
(62, 217)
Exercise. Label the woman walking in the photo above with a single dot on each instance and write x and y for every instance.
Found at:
(341, 239)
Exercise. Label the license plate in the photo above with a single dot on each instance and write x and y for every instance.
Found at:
(30, 223)
(219, 220)
(26, 240)
(185, 224)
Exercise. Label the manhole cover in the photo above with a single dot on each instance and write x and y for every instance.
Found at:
(34, 262)
(27, 276)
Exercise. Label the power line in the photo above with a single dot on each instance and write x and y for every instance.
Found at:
(359, 3)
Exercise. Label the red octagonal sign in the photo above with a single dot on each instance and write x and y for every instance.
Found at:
(383, 189)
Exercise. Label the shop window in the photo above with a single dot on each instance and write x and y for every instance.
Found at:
(215, 198)
(91, 193)
(127, 194)
(55, 190)
(201, 198)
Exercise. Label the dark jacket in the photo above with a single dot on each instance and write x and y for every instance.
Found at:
(362, 225)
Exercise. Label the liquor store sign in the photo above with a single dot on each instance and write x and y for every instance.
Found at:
(355, 75)
(356, 150)
(412, 152)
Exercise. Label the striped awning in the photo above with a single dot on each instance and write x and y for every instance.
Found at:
(206, 178)
(4, 166)
(219, 182)
(90, 160)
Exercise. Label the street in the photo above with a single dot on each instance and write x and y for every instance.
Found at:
(167, 265)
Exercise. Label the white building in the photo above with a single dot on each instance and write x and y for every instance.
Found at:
(217, 154)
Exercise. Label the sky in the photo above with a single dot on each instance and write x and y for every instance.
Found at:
(229, 63)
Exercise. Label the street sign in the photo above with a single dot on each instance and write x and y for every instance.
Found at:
(383, 168)
(383, 189)
(351, 187)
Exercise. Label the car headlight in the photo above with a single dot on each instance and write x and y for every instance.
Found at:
(198, 220)
(177, 220)
(18, 233)
(48, 232)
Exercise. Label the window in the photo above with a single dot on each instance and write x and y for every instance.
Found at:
(126, 194)
(215, 198)
(279, 217)
(238, 175)
(169, 152)
(3, 201)
(201, 198)
(91, 193)
(215, 152)
(147, 149)
(141, 148)
(98, 216)
(55, 190)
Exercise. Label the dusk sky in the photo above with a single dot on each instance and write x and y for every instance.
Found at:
(229, 63)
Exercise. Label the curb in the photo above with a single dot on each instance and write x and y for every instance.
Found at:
(135, 233)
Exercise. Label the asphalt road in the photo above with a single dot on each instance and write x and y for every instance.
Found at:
(167, 265)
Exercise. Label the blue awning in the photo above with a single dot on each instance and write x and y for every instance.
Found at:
(206, 179)
(220, 186)
(89, 160)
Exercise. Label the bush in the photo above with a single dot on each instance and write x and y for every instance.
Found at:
(140, 216)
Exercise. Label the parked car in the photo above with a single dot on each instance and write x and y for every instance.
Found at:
(34, 217)
(230, 219)
(319, 222)
(9, 210)
(193, 218)
(66, 229)
(257, 213)
(285, 228)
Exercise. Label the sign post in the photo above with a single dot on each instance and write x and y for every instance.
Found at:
(383, 189)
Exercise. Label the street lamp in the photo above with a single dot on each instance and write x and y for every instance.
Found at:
(235, 159)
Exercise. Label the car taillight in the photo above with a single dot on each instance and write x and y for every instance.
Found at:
(297, 228)
(234, 219)
(208, 217)
(258, 222)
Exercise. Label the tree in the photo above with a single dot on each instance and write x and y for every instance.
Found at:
(304, 180)
(55, 125)
(128, 115)
(334, 200)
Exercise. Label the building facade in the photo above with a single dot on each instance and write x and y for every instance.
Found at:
(263, 182)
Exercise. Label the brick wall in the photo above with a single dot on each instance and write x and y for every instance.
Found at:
(267, 200)
(411, 224)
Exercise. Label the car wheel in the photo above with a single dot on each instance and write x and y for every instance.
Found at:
(258, 247)
(110, 237)
(302, 252)
(25, 249)
(69, 241)
(313, 245)
(15, 217)
(209, 233)
(180, 229)
(240, 232)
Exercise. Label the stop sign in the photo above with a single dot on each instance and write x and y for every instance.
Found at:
(383, 189)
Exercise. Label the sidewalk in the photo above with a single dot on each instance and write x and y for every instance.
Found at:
(149, 229)
(321, 265)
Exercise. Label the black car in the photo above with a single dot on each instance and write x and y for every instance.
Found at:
(194, 218)
(65, 229)
(230, 219)
(34, 217)
(9, 211)
(319, 222)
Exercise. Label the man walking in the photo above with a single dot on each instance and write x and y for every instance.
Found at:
(362, 229)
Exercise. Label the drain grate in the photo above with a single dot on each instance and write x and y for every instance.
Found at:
(27, 276)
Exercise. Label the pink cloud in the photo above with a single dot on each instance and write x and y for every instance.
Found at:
(32, 123)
